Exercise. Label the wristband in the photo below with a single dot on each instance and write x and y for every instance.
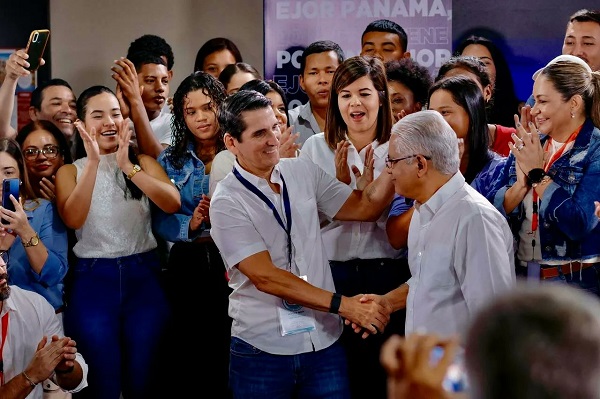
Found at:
(28, 378)
(336, 301)
(67, 371)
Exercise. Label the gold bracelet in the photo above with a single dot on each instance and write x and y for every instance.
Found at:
(33, 384)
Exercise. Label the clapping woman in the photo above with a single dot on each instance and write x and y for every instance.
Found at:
(118, 310)
(550, 182)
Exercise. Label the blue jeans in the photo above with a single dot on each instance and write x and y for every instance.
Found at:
(254, 374)
(117, 312)
(587, 279)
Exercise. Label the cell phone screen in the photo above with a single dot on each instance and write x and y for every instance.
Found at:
(9, 186)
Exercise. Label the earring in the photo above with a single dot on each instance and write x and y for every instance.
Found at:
(572, 115)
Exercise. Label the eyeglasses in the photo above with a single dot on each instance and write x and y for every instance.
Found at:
(49, 151)
(390, 162)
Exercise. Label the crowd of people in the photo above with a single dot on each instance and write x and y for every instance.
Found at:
(328, 249)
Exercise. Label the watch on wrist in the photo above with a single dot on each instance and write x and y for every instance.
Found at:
(545, 180)
(136, 168)
(33, 241)
(535, 176)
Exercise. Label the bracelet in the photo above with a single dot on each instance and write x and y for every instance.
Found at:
(67, 371)
(336, 301)
(31, 383)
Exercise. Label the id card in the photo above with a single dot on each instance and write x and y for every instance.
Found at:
(533, 271)
(295, 319)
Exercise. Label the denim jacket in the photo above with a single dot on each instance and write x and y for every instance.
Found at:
(191, 181)
(567, 224)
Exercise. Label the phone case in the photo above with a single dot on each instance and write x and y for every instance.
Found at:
(36, 46)
(9, 186)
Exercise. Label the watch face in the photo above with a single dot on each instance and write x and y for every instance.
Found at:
(536, 175)
(35, 240)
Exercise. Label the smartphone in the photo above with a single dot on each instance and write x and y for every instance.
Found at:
(10, 186)
(455, 379)
(35, 47)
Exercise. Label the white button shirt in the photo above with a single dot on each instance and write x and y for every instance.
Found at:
(30, 318)
(460, 253)
(243, 225)
(345, 240)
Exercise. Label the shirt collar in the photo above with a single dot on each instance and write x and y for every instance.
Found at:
(440, 197)
(255, 180)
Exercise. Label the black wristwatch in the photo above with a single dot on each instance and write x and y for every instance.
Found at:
(535, 176)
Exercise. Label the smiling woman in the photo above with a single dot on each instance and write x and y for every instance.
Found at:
(45, 149)
(356, 137)
(548, 186)
(105, 197)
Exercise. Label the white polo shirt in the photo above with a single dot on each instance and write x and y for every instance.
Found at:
(243, 225)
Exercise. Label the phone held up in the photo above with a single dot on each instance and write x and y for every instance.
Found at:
(35, 47)
(10, 186)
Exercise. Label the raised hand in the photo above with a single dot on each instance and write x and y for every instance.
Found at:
(47, 188)
(16, 65)
(124, 132)
(89, 141)
(200, 214)
(287, 143)
(368, 174)
(128, 87)
(526, 145)
(411, 372)
(342, 170)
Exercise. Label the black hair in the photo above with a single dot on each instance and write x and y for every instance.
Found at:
(321, 46)
(182, 135)
(232, 69)
(385, 25)
(411, 74)
(467, 94)
(506, 102)
(40, 124)
(585, 15)
(214, 45)
(141, 58)
(38, 92)
(82, 102)
(153, 44)
(230, 112)
(267, 86)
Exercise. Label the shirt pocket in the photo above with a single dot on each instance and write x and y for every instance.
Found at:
(568, 178)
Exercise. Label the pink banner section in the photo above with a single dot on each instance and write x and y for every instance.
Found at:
(291, 25)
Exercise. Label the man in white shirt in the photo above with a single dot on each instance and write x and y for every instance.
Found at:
(33, 344)
(264, 218)
(460, 248)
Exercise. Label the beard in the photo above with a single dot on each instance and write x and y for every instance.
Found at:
(4, 291)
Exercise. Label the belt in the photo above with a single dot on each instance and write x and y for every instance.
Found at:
(552, 271)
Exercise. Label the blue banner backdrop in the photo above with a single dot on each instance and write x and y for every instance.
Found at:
(291, 25)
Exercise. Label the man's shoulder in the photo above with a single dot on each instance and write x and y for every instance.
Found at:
(297, 112)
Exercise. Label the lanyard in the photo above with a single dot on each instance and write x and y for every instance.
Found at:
(553, 158)
(286, 205)
(4, 334)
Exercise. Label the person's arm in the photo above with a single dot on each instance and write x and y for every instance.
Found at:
(155, 183)
(126, 76)
(73, 196)
(279, 282)
(368, 204)
(15, 68)
(398, 222)
(152, 178)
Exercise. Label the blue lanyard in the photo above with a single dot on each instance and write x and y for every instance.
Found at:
(286, 206)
